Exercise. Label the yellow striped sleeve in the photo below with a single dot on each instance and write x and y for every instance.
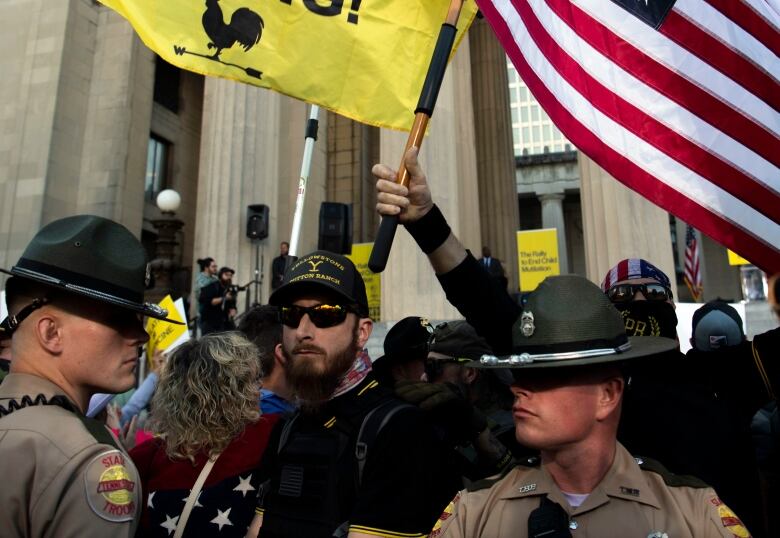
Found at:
(384, 533)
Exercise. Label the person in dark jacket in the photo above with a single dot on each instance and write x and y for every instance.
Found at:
(279, 264)
(218, 303)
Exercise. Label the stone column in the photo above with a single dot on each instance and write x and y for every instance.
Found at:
(409, 286)
(618, 223)
(552, 217)
(45, 95)
(118, 123)
(498, 210)
(251, 150)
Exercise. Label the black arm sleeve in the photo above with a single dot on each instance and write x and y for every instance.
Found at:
(207, 293)
(482, 301)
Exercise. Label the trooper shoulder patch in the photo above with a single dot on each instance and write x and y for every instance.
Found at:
(112, 486)
(729, 519)
(447, 514)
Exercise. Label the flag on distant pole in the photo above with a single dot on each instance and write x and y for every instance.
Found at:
(364, 60)
(677, 99)
(692, 274)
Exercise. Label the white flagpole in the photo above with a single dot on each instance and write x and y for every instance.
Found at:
(308, 150)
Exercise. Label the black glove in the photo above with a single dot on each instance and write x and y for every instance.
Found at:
(447, 408)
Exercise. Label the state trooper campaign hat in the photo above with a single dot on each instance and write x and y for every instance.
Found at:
(89, 256)
(569, 321)
(322, 271)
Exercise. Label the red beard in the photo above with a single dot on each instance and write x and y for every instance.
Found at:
(315, 376)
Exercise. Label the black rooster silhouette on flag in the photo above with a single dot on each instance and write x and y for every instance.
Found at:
(245, 28)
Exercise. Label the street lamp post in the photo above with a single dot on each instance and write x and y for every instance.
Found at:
(163, 265)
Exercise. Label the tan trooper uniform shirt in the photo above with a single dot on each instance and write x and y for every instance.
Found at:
(629, 502)
(57, 480)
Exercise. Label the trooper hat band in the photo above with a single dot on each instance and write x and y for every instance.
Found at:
(528, 358)
(57, 276)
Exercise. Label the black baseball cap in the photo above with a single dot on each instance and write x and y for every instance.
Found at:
(716, 325)
(407, 340)
(323, 271)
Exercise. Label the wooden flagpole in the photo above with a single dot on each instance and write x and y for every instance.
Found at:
(430, 91)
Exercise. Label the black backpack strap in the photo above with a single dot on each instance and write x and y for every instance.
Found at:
(286, 431)
(372, 424)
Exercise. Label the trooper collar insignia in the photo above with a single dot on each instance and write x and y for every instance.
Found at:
(148, 276)
(527, 326)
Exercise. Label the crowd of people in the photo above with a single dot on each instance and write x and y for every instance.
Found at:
(573, 413)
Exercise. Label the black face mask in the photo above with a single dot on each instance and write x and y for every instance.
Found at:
(648, 318)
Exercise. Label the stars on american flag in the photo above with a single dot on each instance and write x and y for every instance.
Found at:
(170, 523)
(222, 518)
(244, 485)
(167, 502)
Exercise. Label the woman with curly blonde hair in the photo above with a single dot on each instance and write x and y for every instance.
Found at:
(205, 409)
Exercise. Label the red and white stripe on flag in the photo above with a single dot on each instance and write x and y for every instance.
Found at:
(679, 100)
(692, 275)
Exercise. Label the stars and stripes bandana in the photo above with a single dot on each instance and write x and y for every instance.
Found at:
(634, 268)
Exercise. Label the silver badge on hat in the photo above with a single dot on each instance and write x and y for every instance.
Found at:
(527, 326)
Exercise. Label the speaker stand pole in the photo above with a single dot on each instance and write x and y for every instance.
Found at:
(259, 285)
(308, 150)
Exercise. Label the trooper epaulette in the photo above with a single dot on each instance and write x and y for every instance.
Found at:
(669, 478)
(488, 482)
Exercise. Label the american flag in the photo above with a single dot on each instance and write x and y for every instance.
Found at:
(692, 275)
(677, 99)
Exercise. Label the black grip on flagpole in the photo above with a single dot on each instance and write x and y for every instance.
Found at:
(312, 126)
(384, 240)
(435, 76)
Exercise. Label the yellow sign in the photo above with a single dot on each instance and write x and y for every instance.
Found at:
(161, 333)
(736, 259)
(359, 256)
(537, 257)
(364, 60)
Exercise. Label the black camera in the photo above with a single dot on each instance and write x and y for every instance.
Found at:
(233, 289)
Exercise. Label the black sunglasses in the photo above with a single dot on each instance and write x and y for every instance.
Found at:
(322, 315)
(624, 293)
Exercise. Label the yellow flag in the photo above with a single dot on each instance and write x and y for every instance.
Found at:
(161, 333)
(364, 59)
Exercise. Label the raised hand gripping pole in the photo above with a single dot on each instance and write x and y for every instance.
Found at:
(430, 91)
